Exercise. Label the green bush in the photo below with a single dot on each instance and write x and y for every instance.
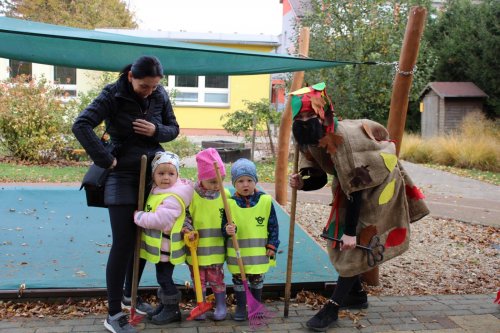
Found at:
(182, 147)
(34, 124)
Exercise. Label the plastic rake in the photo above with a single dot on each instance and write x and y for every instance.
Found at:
(258, 314)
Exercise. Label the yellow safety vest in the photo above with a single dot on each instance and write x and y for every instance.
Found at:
(207, 219)
(151, 239)
(252, 236)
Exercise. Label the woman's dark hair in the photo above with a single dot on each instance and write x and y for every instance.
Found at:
(145, 66)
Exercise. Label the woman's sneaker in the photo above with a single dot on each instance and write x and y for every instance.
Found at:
(141, 307)
(119, 324)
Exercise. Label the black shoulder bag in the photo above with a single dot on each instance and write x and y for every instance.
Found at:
(94, 180)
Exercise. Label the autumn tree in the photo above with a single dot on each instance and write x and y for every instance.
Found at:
(466, 39)
(363, 31)
(75, 13)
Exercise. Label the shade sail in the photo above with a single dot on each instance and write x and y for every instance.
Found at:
(89, 49)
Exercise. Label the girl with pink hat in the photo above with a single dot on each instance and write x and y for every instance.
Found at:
(205, 216)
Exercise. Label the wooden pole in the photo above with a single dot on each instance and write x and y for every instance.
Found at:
(291, 236)
(281, 170)
(400, 93)
(404, 76)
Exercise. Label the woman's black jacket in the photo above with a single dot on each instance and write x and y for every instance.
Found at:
(119, 106)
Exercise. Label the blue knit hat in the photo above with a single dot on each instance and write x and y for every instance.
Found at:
(243, 167)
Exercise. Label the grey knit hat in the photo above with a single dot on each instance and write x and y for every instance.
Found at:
(243, 167)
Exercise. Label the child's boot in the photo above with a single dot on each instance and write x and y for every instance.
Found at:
(220, 306)
(240, 314)
(170, 312)
(257, 294)
(204, 315)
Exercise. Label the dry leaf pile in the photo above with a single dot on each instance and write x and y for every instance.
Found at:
(445, 256)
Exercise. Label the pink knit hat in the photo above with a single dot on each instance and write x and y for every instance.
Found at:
(205, 160)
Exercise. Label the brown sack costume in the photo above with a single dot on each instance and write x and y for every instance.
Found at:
(365, 160)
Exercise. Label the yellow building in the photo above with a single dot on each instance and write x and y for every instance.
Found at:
(200, 101)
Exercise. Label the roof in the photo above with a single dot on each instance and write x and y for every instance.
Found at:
(453, 89)
(200, 37)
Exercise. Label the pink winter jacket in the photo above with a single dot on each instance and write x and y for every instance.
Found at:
(167, 212)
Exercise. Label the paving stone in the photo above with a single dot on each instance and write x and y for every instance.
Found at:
(457, 312)
(433, 326)
(54, 329)
(401, 308)
(409, 327)
(384, 321)
(485, 311)
(396, 314)
(16, 330)
(42, 323)
(10, 324)
(375, 328)
(216, 329)
(285, 326)
(477, 323)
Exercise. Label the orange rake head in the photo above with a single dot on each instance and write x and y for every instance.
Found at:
(200, 309)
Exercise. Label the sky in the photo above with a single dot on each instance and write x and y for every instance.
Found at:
(216, 16)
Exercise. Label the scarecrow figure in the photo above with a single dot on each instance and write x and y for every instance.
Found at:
(374, 200)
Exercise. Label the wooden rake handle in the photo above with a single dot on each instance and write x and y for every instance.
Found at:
(140, 206)
(230, 221)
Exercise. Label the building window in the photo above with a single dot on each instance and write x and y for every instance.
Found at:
(18, 67)
(65, 79)
(212, 90)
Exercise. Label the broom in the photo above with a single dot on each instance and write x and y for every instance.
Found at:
(135, 317)
(257, 312)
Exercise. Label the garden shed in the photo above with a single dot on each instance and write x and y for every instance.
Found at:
(445, 104)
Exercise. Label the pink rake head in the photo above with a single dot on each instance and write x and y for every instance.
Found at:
(258, 314)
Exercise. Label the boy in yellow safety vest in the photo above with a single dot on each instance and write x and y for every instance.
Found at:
(205, 215)
(257, 230)
(162, 221)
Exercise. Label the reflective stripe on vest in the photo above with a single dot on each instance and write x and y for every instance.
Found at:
(151, 239)
(207, 219)
(251, 235)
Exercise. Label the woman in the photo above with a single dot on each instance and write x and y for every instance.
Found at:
(374, 199)
(138, 116)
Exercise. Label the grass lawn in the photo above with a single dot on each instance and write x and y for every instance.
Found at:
(10, 173)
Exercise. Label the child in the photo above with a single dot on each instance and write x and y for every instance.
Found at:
(204, 215)
(257, 230)
(162, 221)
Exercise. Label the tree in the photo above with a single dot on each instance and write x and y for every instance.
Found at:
(365, 31)
(257, 116)
(75, 13)
(466, 39)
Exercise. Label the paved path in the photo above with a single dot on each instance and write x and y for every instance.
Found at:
(437, 314)
(447, 195)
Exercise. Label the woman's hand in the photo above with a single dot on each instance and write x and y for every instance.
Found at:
(144, 127)
(296, 181)
(270, 253)
(113, 165)
(347, 242)
(231, 229)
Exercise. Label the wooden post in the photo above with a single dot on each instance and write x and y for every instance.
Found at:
(400, 92)
(280, 176)
(404, 76)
